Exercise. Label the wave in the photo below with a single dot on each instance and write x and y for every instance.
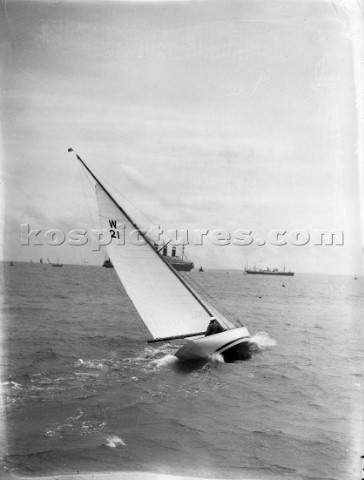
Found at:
(262, 340)
(75, 426)
(59, 429)
(93, 364)
(217, 358)
(114, 441)
(11, 384)
(44, 355)
(170, 360)
(165, 361)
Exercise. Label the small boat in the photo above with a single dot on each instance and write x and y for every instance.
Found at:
(108, 263)
(355, 277)
(200, 269)
(11, 263)
(169, 306)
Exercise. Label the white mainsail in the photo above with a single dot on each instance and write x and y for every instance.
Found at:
(167, 307)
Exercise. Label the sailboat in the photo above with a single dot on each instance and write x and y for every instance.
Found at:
(57, 264)
(200, 269)
(108, 263)
(170, 307)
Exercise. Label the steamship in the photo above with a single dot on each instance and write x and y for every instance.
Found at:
(179, 263)
(268, 271)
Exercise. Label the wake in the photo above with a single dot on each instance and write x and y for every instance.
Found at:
(163, 358)
(165, 361)
(260, 341)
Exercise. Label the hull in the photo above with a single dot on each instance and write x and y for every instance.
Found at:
(253, 272)
(182, 266)
(232, 344)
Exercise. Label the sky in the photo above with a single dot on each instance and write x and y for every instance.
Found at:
(203, 114)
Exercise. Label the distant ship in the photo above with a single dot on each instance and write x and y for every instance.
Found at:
(11, 264)
(200, 269)
(108, 264)
(268, 271)
(178, 263)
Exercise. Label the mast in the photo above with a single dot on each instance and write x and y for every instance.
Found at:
(184, 283)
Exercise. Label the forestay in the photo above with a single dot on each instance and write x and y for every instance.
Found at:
(164, 303)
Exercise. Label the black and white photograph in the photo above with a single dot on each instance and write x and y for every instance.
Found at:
(182, 229)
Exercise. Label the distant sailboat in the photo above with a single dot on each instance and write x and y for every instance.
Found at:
(40, 261)
(169, 307)
(11, 263)
(355, 278)
(200, 269)
(57, 264)
(108, 263)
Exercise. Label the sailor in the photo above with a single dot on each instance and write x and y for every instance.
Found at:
(213, 327)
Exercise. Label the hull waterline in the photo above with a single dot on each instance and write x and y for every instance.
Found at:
(232, 344)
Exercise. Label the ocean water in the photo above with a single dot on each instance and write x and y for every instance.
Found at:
(84, 393)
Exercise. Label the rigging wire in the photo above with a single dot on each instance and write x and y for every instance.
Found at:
(212, 300)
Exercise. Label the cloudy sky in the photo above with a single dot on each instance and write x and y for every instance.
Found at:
(203, 114)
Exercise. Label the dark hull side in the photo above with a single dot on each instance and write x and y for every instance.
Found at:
(285, 274)
(182, 267)
(238, 352)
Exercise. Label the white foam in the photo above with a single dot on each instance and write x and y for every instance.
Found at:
(93, 364)
(217, 357)
(164, 361)
(13, 384)
(114, 441)
(149, 352)
(262, 339)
